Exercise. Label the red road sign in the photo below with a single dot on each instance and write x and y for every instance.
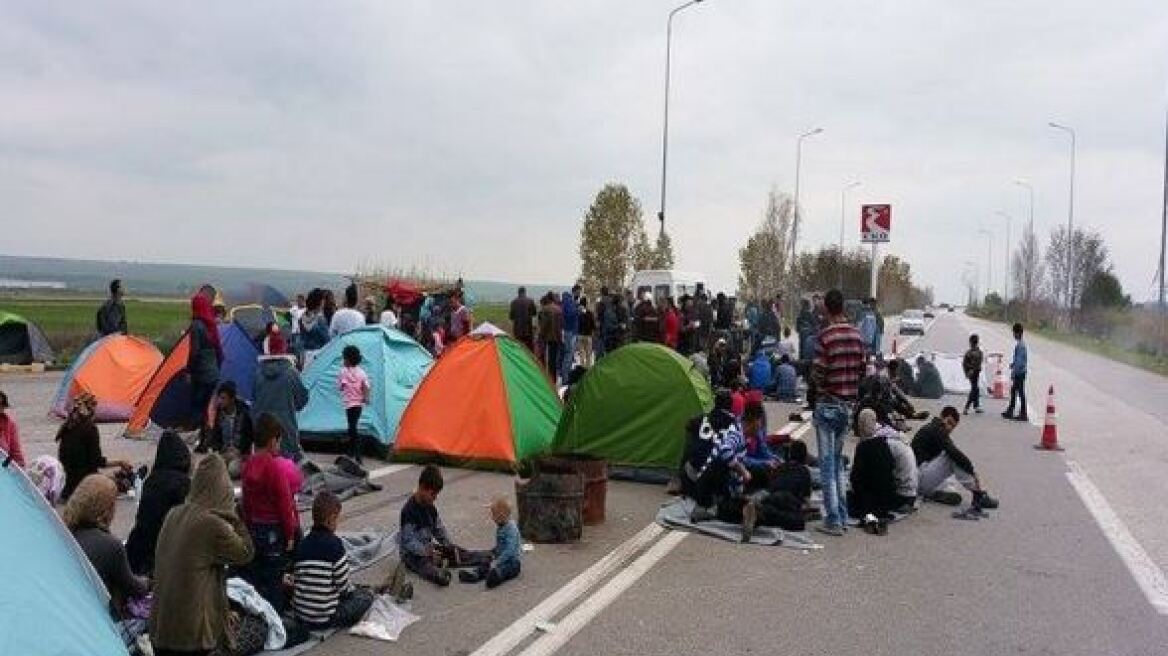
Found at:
(875, 223)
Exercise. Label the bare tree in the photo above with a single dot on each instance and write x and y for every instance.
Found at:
(1088, 258)
(1028, 270)
(763, 260)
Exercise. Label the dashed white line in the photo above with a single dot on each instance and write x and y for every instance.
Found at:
(1148, 576)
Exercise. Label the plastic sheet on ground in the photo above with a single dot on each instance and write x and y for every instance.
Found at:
(952, 373)
(384, 621)
(675, 515)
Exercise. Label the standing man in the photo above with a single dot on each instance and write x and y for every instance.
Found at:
(971, 365)
(111, 316)
(838, 367)
(571, 310)
(522, 313)
(604, 323)
(1018, 378)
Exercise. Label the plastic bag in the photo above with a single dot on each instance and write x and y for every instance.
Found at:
(384, 621)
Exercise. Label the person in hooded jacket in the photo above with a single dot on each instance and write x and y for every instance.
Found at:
(199, 540)
(204, 358)
(166, 487)
(280, 392)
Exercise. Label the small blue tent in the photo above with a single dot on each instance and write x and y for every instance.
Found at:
(395, 364)
(53, 601)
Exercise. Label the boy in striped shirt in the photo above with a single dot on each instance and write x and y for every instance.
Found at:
(324, 597)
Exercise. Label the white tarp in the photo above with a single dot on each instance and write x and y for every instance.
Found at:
(952, 373)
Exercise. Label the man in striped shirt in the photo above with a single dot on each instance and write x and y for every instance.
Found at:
(324, 597)
(838, 368)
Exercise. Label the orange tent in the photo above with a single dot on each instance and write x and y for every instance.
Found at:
(486, 399)
(115, 369)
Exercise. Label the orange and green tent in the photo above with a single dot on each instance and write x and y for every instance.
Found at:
(485, 400)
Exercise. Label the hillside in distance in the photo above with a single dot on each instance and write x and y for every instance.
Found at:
(26, 275)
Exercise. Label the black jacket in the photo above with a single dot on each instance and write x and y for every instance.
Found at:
(79, 450)
(873, 479)
(932, 440)
(166, 487)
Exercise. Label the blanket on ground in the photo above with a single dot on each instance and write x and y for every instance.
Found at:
(675, 514)
(367, 548)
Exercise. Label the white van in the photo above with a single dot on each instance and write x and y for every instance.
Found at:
(663, 283)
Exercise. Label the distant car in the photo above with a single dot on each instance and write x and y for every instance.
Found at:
(929, 314)
(950, 308)
(912, 321)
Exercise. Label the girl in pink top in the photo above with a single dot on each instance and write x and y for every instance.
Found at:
(354, 394)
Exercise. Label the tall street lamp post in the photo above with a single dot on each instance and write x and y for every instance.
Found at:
(1006, 276)
(1070, 219)
(989, 260)
(665, 123)
(798, 166)
(843, 222)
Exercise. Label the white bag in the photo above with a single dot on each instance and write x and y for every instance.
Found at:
(384, 621)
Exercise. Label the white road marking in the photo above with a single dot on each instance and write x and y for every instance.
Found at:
(544, 612)
(576, 620)
(1149, 577)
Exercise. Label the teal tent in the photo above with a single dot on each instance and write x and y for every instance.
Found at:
(52, 600)
(395, 365)
(632, 407)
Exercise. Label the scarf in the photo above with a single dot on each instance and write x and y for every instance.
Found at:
(201, 311)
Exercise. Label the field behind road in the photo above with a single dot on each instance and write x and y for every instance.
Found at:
(69, 323)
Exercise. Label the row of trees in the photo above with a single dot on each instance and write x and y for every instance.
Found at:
(614, 244)
(765, 267)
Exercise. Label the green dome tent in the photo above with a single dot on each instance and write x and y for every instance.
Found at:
(632, 407)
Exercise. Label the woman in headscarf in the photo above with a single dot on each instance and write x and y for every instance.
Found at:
(88, 516)
(166, 487)
(203, 359)
(79, 445)
(199, 540)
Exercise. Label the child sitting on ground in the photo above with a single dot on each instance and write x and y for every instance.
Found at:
(323, 596)
(505, 566)
(423, 542)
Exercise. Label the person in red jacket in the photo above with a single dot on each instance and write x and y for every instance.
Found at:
(269, 511)
(10, 434)
(671, 327)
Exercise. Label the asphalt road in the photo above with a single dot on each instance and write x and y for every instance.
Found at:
(1038, 577)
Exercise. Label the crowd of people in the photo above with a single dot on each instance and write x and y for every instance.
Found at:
(731, 472)
(191, 533)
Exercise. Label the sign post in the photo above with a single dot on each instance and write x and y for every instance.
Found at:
(875, 228)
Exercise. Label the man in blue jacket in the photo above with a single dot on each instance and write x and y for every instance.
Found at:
(1018, 378)
(571, 311)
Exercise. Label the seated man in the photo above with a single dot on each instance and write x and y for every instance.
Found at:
(901, 375)
(323, 597)
(760, 374)
(785, 380)
(905, 471)
(233, 434)
(792, 475)
(713, 470)
(938, 459)
(873, 480)
(929, 385)
(424, 545)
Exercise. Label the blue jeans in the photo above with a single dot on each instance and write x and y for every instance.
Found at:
(831, 428)
(569, 354)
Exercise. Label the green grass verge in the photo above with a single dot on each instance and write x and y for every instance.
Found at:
(1145, 361)
(69, 323)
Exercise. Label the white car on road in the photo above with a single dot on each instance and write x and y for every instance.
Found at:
(912, 321)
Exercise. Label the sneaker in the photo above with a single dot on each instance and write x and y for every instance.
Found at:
(831, 529)
(945, 497)
(870, 524)
(965, 412)
(467, 576)
(1007, 415)
(882, 526)
(984, 500)
(970, 513)
(749, 519)
(1021, 418)
(979, 411)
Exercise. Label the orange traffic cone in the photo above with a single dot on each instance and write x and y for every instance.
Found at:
(998, 391)
(1050, 428)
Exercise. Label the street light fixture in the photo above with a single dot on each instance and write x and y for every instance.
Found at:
(1070, 217)
(1006, 279)
(665, 123)
(843, 220)
(798, 166)
(989, 259)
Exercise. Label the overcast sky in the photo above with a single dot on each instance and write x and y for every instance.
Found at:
(471, 136)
